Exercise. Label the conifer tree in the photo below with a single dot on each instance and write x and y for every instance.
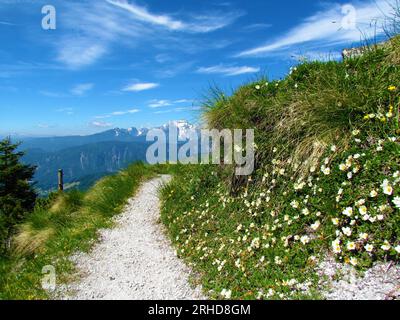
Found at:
(17, 195)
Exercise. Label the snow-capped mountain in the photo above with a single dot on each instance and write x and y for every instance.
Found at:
(184, 129)
(132, 134)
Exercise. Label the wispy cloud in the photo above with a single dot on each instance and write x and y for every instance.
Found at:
(82, 88)
(228, 70)
(52, 94)
(5, 23)
(159, 103)
(121, 113)
(201, 24)
(326, 28)
(144, 15)
(257, 26)
(140, 86)
(104, 23)
(67, 111)
(179, 109)
(118, 113)
(101, 124)
(79, 52)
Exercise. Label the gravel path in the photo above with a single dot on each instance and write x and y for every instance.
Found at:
(381, 282)
(134, 260)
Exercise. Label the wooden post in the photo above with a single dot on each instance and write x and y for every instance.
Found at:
(60, 180)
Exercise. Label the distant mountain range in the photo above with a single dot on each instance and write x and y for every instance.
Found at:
(85, 159)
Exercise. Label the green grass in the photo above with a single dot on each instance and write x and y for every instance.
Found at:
(327, 136)
(63, 225)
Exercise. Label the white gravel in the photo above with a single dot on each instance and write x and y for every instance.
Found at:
(381, 282)
(134, 260)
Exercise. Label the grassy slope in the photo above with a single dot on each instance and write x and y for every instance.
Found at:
(61, 226)
(327, 136)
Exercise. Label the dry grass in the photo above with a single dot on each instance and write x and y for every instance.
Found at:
(29, 240)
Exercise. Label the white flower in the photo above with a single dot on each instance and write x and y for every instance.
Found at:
(386, 246)
(360, 202)
(387, 188)
(237, 148)
(226, 293)
(366, 217)
(349, 175)
(255, 243)
(351, 246)
(356, 132)
(326, 170)
(258, 87)
(369, 247)
(305, 212)
(396, 202)
(278, 260)
(397, 249)
(305, 239)
(333, 148)
(343, 167)
(335, 221)
(364, 236)
(353, 261)
(347, 231)
(348, 211)
(315, 225)
(373, 194)
(363, 210)
(336, 246)
(294, 204)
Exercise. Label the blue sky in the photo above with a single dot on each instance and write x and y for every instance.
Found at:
(120, 63)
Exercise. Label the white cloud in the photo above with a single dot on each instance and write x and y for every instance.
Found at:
(183, 101)
(200, 24)
(326, 28)
(228, 70)
(121, 113)
(77, 53)
(101, 124)
(140, 86)
(159, 103)
(180, 109)
(82, 88)
(67, 111)
(5, 23)
(118, 113)
(257, 26)
(143, 15)
(91, 29)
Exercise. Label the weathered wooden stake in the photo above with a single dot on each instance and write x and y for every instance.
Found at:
(60, 180)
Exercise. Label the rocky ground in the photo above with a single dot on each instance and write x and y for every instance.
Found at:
(342, 282)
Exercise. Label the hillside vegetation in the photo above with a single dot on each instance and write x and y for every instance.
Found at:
(326, 180)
